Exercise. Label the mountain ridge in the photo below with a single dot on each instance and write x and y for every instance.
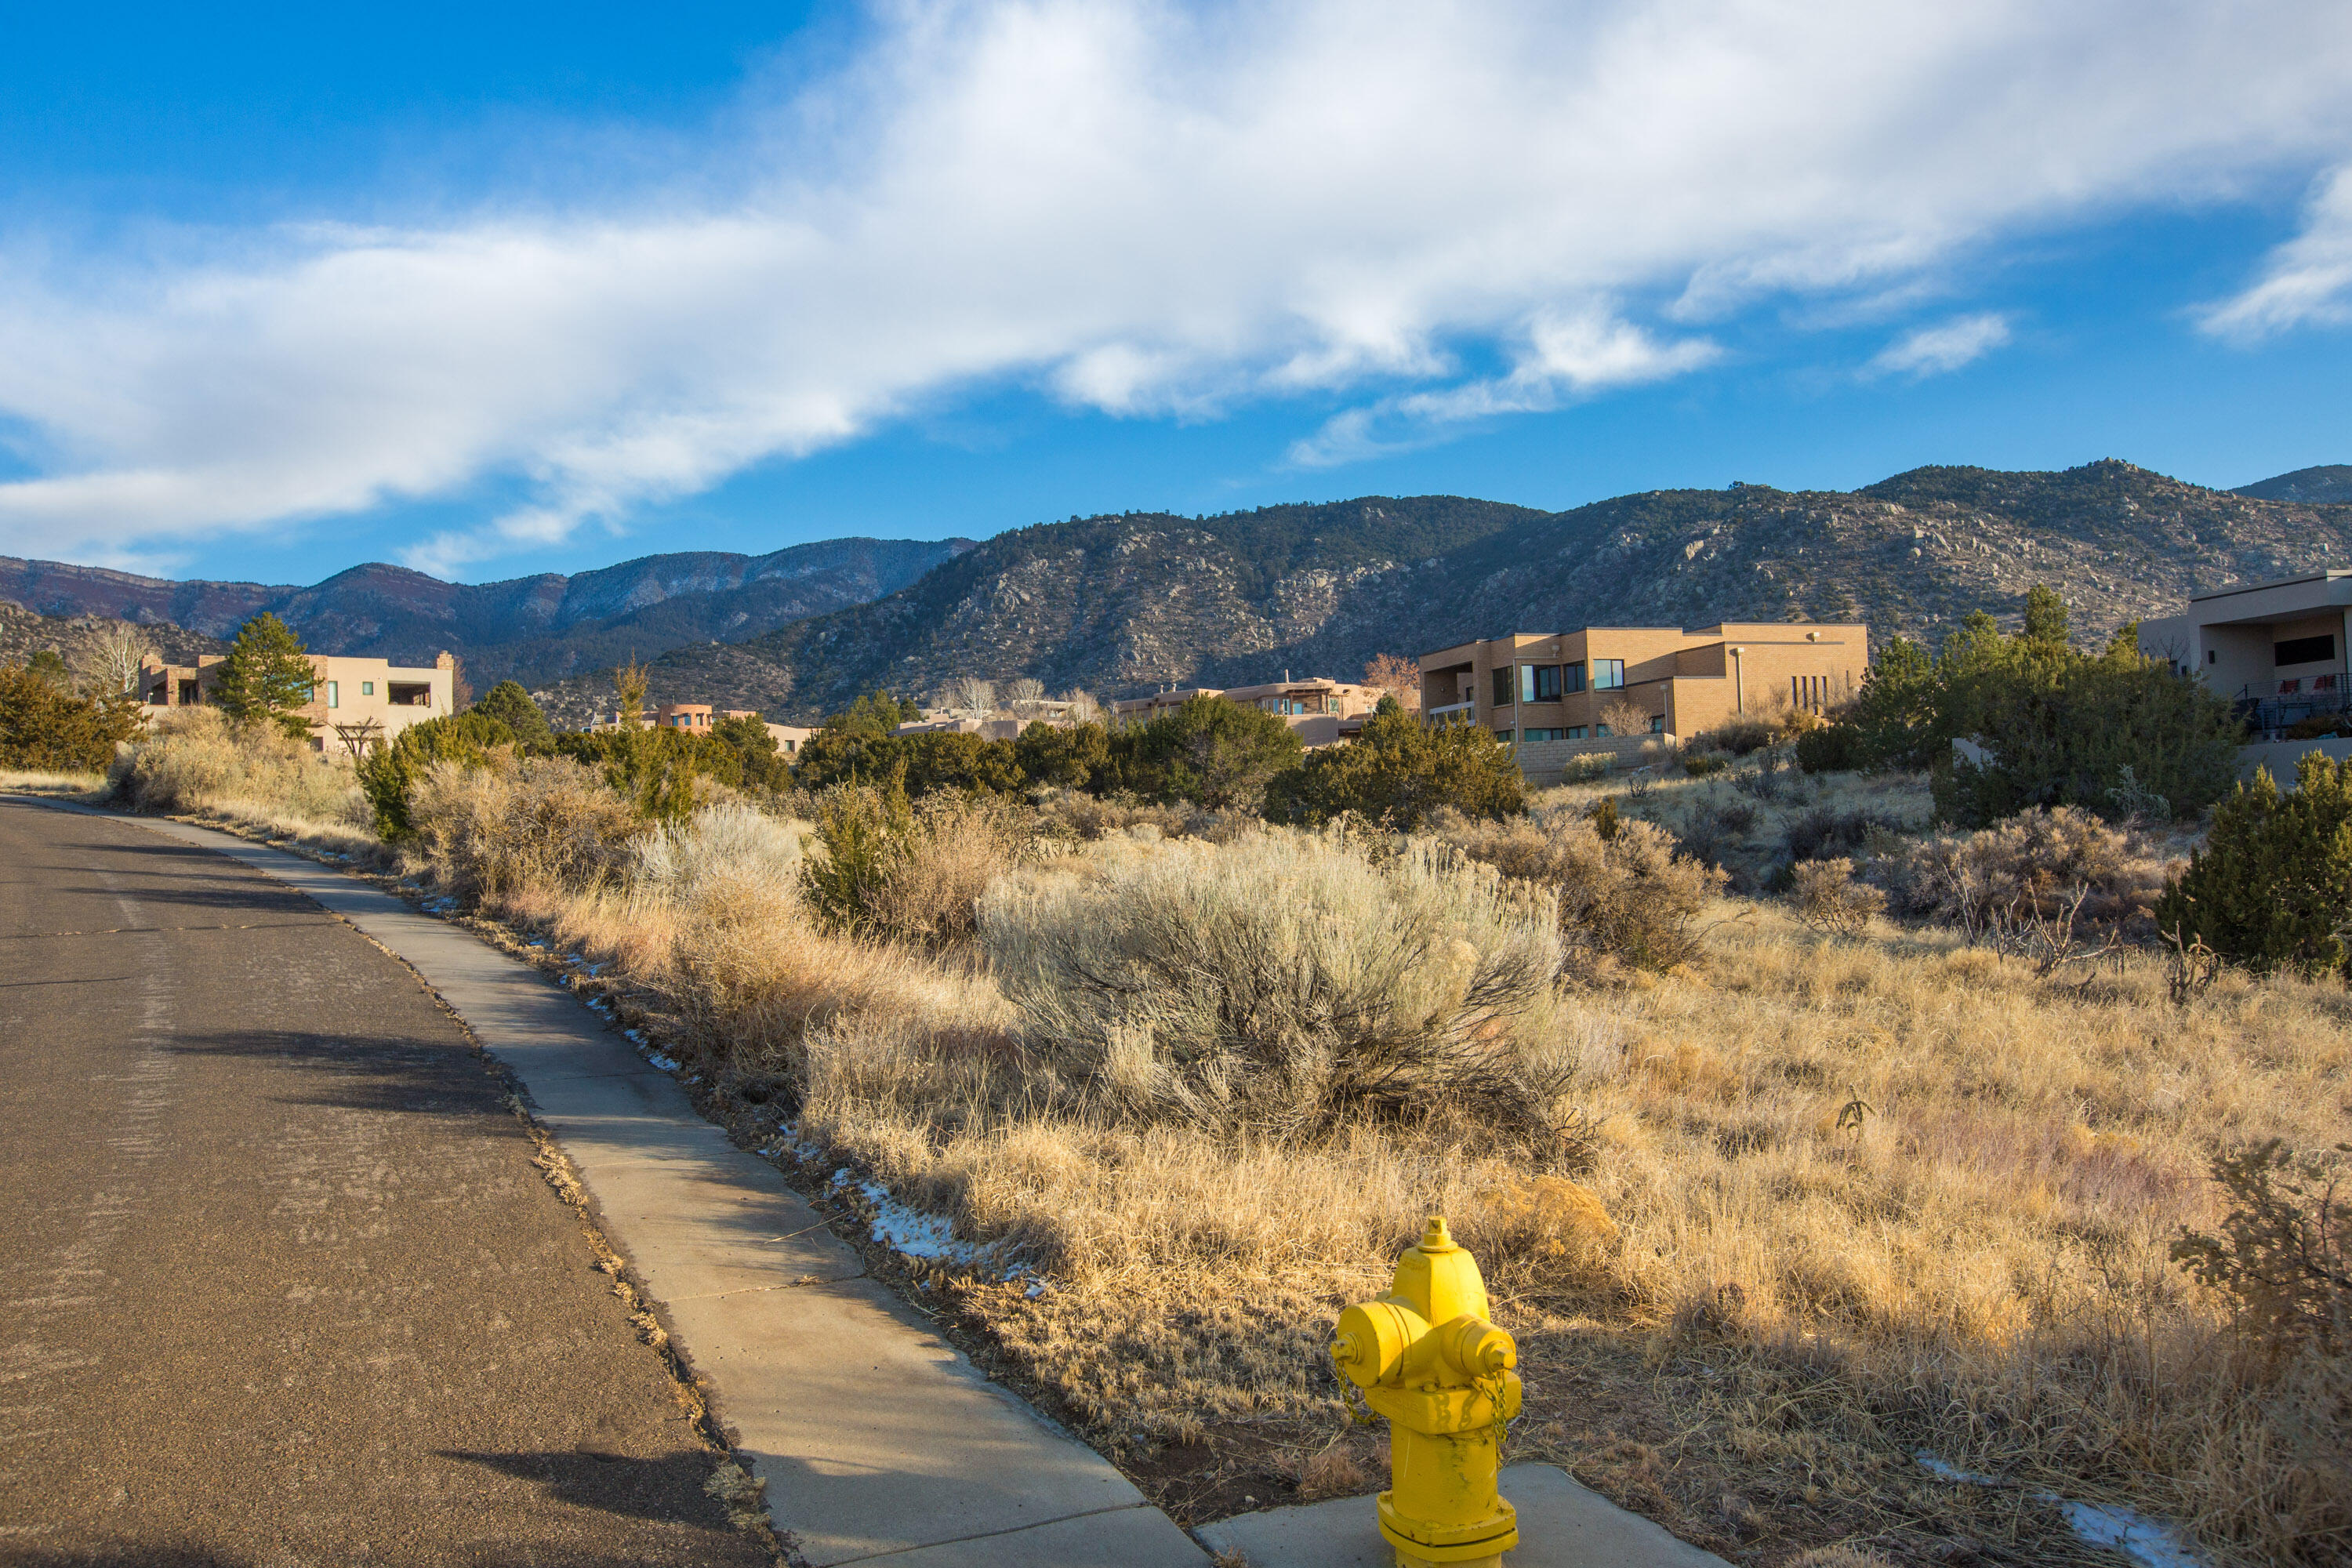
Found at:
(536, 628)
(1125, 602)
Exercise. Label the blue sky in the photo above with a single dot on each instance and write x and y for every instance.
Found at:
(494, 290)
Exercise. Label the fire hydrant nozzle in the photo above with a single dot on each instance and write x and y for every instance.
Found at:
(1428, 1359)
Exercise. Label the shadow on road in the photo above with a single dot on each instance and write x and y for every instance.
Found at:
(615, 1483)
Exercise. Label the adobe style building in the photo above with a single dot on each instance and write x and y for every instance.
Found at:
(698, 717)
(1321, 711)
(344, 691)
(1545, 693)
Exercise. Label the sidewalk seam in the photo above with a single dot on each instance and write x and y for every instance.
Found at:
(988, 1534)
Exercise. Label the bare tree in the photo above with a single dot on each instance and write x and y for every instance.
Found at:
(1626, 717)
(1083, 709)
(1024, 693)
(359, 737)
(969, 693)
(1398, 677)
(109, 662)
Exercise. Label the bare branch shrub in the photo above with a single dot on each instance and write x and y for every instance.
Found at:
(1831, 902)
(1626, 893)
(969, 694)
(1625, 717)
(2030, 867)
(1288, 986)
(2285, 1251)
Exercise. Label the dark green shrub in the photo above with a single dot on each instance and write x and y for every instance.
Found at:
(2272, 887)
(45, 726)
(654, 768)
(1211, 751)
(1399, 771)
(1738, 736)
(862, 830)
(1698, 764)
(387, 773)
(511, 705)
(1068, 758)
(1831, 748)
(762, 760)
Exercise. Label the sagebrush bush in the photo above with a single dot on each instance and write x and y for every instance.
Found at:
(1626, 893)
(2030, 866)
(197, 759)
(1287, 985)
(719, 850)
(1831, 902)
(493, 832)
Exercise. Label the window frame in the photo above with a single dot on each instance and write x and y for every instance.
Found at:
(1607, 667)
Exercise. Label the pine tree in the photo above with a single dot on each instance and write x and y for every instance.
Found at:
(268, 677)
(511, 705)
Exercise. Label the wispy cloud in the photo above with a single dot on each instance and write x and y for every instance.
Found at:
(1140, 209)
(1564, 357)
(1942, 348)
(2308, 281)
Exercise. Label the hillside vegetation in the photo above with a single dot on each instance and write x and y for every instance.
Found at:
(1126, 604)
(1777, 1194)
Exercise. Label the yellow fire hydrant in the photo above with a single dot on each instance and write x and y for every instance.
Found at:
(1427, 1359)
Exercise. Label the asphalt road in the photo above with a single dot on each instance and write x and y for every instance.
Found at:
(280, 1285)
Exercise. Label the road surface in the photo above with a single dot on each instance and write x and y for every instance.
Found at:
(282, 1286)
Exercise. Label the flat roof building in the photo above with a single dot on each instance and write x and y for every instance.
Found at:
(1319, 710)
(2276, 648)
(1546, 693)
(354, 696)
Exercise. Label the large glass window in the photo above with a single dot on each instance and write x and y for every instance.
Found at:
(1503, 736)
(1574, 732)
(1502, 688)
(1531, 736)
(1571, 677)
(1538, 683)
(334, 694)
(2305, 650)
(1607, 674)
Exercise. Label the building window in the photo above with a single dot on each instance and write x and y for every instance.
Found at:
(2305, 650)
(2212, 656)
(1503, 736)
(1538, 683)
(1532, 736)
(1574, 732)
(1502, 688)
(334, 694)
(1607, 674)
(1600, 731)
(367, 688)
(1571, 677)
(1658, 723)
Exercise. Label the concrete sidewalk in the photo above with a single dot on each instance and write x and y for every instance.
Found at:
(877, 1438)
(1562, 1525)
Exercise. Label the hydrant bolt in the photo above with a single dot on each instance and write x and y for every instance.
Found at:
(1428, 1359)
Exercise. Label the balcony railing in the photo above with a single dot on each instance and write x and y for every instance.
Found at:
(2270, 707)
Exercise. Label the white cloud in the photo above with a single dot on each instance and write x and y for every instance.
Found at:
(1141, 209)
(1564, 357)
(2307, 280)
(1946, 346)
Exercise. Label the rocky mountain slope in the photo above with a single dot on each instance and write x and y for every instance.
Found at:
(2329, 485)
(536, 629)
(23, 633)
(1120, 604)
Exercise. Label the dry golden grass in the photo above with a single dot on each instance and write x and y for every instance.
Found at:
(1834, 1200)
(1850, 1197)
(58, 787)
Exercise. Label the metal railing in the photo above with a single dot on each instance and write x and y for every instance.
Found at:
(2269, 711)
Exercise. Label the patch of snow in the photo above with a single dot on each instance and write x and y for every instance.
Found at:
(2151, 1543)
(666, 1063)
